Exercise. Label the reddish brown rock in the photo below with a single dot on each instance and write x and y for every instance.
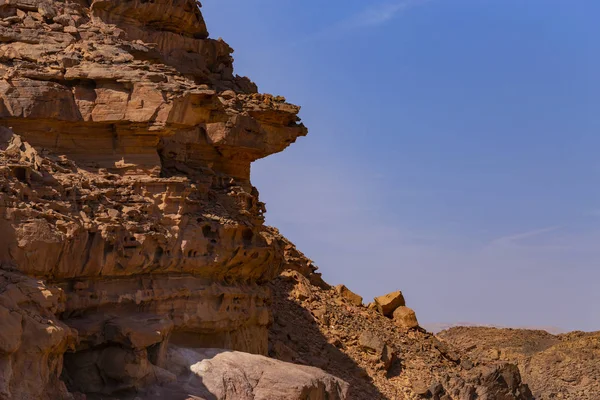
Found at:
(128, 222)
(387, 304)
(32, 339)
(405, 317)
(349, 295)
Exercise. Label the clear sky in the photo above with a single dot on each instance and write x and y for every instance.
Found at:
(453, 150)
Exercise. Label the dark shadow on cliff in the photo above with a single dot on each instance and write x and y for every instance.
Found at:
(295, 337)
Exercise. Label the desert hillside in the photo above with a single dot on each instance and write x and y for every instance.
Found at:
(561, 366)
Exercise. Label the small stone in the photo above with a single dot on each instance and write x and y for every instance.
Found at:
(436, 389)
(69, 61)
(228, 94)
(466, 364)
(388, 356)
(70, 29)
(13, 19)
(46, 10)
(29, 22)
(349, 295)
(420, 388)
(494, 354)
(36, 16)
(369, 342)
(56, 27)
(321, 315)
(64, 20)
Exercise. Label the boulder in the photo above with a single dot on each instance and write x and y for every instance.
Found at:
(387, 304)
(370, 343)
(405, 317)
(503, 382)
(220, 374)
(349, 295)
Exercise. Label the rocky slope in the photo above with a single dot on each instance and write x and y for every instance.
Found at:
(562, 366)
(134, 259)
(381, 357)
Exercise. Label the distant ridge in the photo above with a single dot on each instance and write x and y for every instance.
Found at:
(438, 327)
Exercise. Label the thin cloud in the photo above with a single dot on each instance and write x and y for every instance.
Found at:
(514, 239)
(373, 16)
(379, 14)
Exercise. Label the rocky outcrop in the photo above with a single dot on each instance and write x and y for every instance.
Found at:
(554, 366)
(128, 222)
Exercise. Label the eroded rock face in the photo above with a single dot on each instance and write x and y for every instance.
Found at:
(127, 218)
(32, 339)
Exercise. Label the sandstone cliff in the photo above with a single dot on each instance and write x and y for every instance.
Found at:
(127, 219)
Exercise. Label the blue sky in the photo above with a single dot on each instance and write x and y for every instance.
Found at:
(452, 154)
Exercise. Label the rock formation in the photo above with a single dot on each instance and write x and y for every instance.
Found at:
(127, 219)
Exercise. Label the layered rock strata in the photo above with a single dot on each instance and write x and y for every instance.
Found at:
(127, 218)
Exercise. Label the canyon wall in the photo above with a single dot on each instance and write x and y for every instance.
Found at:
(128, 222)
